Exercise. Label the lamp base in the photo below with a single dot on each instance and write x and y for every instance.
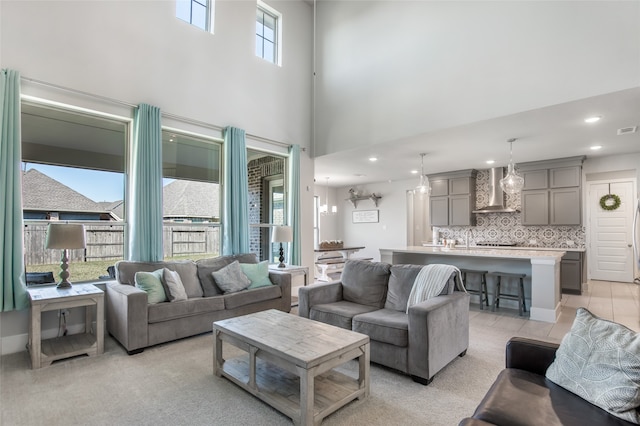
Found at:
(64, 270)
(281, 258)
(64, 284)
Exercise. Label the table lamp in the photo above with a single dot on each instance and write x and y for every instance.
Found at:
(282, 234)
(65, 236)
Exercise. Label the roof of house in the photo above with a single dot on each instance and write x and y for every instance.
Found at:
(41, 192)
(184, 198)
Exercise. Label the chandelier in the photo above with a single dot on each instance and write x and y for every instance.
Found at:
(324, 208)
(423, 187)
(512, 183)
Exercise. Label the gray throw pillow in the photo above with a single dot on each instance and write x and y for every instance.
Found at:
(231, 279)
(599, 360)
(173, 282)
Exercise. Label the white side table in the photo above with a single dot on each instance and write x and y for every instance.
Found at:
(50, 298)
(294, 270)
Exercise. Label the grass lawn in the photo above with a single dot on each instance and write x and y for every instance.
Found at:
(91, 271)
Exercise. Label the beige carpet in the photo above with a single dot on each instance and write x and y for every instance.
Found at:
(173, 384)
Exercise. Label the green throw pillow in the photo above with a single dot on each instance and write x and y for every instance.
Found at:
(258, 273)
(599, 360)
(151, 282)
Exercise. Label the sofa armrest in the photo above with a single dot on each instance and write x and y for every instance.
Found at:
(127, 316)
(531, 355)
(283, 279)
(438, 332)
(318, 294)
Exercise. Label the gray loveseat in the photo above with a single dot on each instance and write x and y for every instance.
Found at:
(136, 324)
(371, 298)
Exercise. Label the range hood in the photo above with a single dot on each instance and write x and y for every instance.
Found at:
(496, 194)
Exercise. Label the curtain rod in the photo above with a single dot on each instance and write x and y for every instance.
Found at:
(166, 114)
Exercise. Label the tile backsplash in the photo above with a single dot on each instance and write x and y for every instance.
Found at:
(507, 227)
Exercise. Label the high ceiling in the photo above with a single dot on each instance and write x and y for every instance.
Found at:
(552, 132)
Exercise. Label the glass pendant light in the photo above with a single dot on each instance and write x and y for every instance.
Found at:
(512, 183)
(324, 208)
(423, 187)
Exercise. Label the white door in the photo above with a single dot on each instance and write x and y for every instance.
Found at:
(610, 255)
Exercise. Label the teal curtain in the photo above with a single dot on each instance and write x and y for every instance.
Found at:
(235, 231)
(14, 293)
(295, 249)
(144, 209)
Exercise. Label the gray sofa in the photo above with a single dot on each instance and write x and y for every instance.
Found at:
(371, 298)
(137, 324)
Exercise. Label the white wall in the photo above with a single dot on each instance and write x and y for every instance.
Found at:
(138, 51)
(388, 70)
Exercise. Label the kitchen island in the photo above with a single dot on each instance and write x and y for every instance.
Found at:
(541, 266)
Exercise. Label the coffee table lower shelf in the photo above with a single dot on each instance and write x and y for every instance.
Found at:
(281, 389)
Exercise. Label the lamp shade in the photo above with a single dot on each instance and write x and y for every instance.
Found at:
(65, 236)
(282, 234)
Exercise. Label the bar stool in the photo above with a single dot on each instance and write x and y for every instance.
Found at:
(482, 291)
(522, 308)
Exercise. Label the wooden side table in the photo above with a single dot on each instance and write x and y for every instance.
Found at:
(50, 298)
(294, 270)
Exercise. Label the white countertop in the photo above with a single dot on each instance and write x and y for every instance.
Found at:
(503, 253)
(459, 246)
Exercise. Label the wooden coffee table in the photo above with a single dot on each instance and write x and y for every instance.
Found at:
(290, 360)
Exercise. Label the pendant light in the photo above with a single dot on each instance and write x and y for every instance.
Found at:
(324, 208)
(423, 187)
(512, 183)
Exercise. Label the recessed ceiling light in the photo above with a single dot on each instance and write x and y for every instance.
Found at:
(413, 172)
(359, 175)
(373, 158)
(596, 147)
(491, 161)
(593, 119)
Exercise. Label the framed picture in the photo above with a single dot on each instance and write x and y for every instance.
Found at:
(365, 216)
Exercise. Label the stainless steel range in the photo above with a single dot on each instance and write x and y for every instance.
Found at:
(496, 243)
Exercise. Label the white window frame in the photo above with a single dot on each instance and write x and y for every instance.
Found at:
(278, 41)
(210, 14)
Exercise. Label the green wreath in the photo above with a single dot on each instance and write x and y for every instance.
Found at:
(606, 204)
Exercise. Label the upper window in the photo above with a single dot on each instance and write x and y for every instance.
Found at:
(196, 12)
(268, 32)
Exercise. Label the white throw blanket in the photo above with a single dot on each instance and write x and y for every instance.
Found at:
(430, 282)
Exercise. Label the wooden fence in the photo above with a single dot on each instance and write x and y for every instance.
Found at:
(106, 242)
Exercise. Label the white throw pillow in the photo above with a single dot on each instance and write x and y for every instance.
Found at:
(174, 283)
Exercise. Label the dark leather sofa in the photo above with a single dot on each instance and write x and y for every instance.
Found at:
(522, 395)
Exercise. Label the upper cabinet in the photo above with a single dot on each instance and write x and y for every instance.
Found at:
(453, 198)
(551, 193)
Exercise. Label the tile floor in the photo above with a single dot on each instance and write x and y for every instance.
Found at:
(619, 302)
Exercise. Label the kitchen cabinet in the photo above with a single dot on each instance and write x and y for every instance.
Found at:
(453, 198)
(571, 272)
(552, 192)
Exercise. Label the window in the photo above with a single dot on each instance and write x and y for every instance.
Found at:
(191, 196)
(268, 33)
(73, 171)
(196, 12)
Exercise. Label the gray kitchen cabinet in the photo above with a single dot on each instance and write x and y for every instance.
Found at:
(535, 179)
(552, 191)
(535, 207)
(439, 187)
(571, 272)
(563, 177)
(439, 211)
(564, 206)
(453, 198)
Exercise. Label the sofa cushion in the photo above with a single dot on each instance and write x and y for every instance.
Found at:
(126, 270)
(365, 282)
(231, 279)
(173, 285)
(151, 283)
(401, 281)
(599, 360)
(519, 397)
(258, 274)
(209, 265)
(247, 297)
(184, 308)
(384, 325)
(339, 314)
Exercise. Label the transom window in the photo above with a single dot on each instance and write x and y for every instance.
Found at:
(196, 12)
(268, 32)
